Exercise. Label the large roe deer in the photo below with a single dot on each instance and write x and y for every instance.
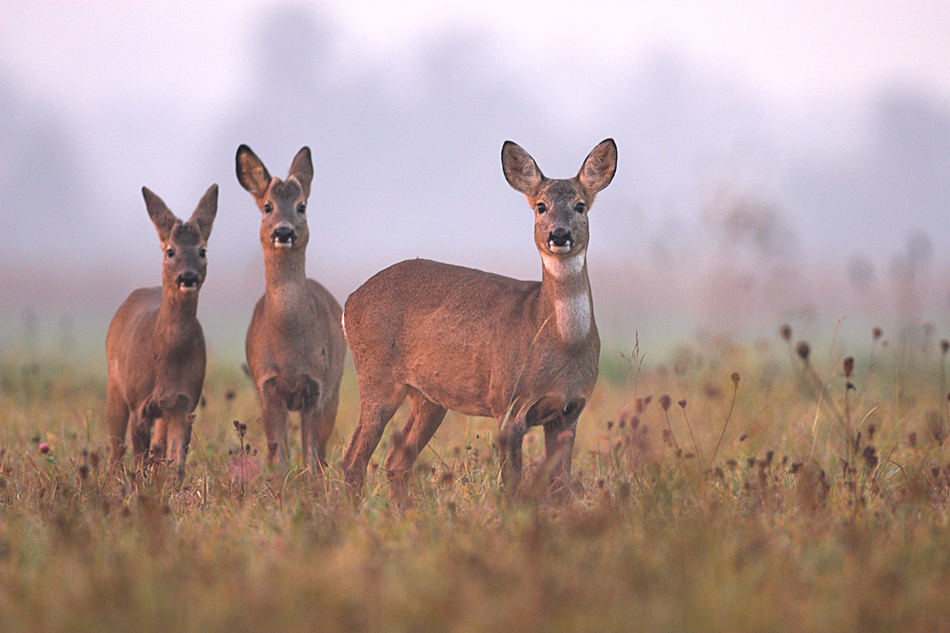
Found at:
(295, 345)
(523, 352)
(155, 348)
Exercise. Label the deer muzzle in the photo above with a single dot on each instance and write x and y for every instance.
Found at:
(188, 282)
(559, 241)
(284, 237)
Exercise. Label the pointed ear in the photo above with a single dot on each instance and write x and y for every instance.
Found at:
(163, 219)
(204, 214)
(302, 170)
(251, 172)
(521, 171)
(599, 167)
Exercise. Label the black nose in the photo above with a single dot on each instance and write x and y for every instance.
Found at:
(189, 280)
(284, 233)
(559, 237)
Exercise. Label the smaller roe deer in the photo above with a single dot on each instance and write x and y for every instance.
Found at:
(155, 348)
(295, 345)
(522, 352)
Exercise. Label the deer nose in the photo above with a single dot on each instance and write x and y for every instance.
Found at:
(188, 281)
(559, 237)
(283, 235)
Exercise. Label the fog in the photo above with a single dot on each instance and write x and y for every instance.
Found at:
(737, 205)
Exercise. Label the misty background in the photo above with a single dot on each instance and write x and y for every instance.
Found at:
(787, 162)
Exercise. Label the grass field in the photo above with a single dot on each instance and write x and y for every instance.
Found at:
(760, 494)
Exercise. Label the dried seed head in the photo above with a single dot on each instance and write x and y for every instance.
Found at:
(877, 333)
(229, 395)
(803, 350)
(848, 366)
(665, 401)
(682, 403)
(944, 346)
(786, 332)
(735, 378)
(912, 439)
(610, 424)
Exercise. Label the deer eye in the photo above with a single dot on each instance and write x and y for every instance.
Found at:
(541, 207)
(580, 207)
(170, 252)
(301, 208)
(268, 207)
(202, 252)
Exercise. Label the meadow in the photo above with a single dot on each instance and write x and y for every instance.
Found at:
(779, 486)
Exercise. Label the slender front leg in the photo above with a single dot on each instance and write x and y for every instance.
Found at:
(179, 436)
(117, 420)
(510, 439)
(274, 418)
(558, 450)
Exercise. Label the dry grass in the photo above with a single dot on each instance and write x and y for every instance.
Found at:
(738, 503)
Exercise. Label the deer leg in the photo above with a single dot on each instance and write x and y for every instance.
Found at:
(425, 417)
(510, 439)
(117, 421)
(321, 429)
(558, 449)
(179, 436)
(274, 417)
(378, 404)
(141, 434)
(159, 443)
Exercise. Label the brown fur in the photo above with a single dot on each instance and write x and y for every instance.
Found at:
(155, 348)
(295, 346)
(523, 352)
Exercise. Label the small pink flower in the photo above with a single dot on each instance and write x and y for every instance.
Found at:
(44, 448)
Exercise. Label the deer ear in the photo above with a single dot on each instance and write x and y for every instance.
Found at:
(163, 219)
(599, 167)
(205, 212)
(251, 172)
(521, 171)
(302, 170)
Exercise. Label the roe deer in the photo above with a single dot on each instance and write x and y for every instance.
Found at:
(295, 345)
(155, 348)
(523, 352)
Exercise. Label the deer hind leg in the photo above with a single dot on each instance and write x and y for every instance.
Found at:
(425, 417)
(117, 421)
(379, 401)
(274, 417)
(141, 434)
(316, 427)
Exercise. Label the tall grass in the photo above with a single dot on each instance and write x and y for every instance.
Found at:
(776, 499)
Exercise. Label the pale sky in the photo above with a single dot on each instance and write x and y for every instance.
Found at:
(832, 118)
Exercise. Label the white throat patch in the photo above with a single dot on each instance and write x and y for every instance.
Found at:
(567, 267)
(573, 316)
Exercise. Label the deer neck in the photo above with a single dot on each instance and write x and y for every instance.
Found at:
(566, 297)
(177, 315)
(285, 279)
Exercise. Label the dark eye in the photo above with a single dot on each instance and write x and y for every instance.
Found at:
(202, 252)
(541, 207)
(268, 207)
(301, 208)
(580, 207)
(170, 252)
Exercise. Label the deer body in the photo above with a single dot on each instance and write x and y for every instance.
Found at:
(523, 352)
(155, 347)
(295, 346)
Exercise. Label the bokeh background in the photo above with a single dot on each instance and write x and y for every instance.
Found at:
(778, 162)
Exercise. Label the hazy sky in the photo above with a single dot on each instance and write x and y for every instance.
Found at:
(758, 140)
